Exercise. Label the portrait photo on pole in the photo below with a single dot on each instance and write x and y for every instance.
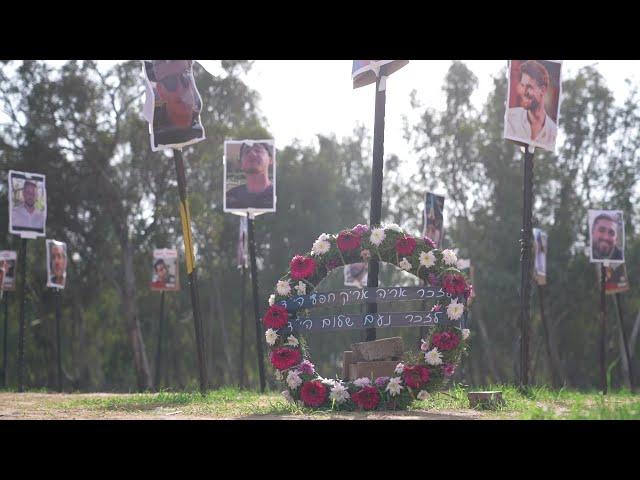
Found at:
(56, 264)
(173, 104)
(364, 72)
(356, 275)
(616, 280)
(540, 256)
(434, 218)
(249, 176)
(165, 276)
(606, 236)
(533, 103)
(8, 262)
(27, 204)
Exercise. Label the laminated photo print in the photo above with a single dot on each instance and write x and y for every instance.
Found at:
(434, 218)
(606, 236)
(165, 275)
(533, 103)
(173, 104)
(27, 204)
(364, 72)
(56, 264)
(356, 275)
(616, 280)
(249, 176)
(540, 256)
(8, 262)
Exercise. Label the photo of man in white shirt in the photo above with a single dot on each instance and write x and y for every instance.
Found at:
(26, 207)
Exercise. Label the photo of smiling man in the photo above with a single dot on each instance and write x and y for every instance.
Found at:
(606, 232)
(249, 182)
(56, 264)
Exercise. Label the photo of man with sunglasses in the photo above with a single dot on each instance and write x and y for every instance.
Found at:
(607, 235)
(255, 159)
(177, 103)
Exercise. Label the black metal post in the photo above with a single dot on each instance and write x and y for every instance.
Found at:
(242, 323)
(159, 346)
(525, 267)
(5, 372)
(547, 338)
(57, 295)
(256, 302)
(618, 300)
(603, 329)
(192, 273)
(375, 213)
(23, 300)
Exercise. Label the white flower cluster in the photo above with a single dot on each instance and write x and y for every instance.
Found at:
(395, 226)
(272, 299)
(399, 368)
(362, 382)
(394, 387)
(405, 264)
(292, 341)
(465, 333)
(301, 288)
(293, 379)
(449, 257)
(321, 245)
(283, 288)
(377, 236)
(271, 336)
(339, 393)
(433, 357)
(427, 259)
(455, 309)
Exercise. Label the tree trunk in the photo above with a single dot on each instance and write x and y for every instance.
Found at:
(226, 345)
(130, 311)
(486, 345)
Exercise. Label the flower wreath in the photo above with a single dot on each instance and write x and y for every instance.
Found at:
(442, 350)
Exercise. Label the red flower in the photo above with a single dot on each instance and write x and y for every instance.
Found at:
(454, 283)
(405, 246)
(348, 240)
(445, 340)
(415, 376)
(302, 267)
(368, 398)
(276, 317)
(284, 357)
(313, 393)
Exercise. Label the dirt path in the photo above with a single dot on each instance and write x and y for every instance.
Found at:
(57, 406)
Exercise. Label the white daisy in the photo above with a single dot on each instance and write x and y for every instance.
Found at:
(321, 246)
(465, 333)
(399, 368)
(301, 288)
(271, 336)
(423, 395)
(272, 299)
(433, 357)
(329, 381)
(287, 396)
(339, 393)
(455, 309)
(405, 264)
(394, 387)
(449, 257)
(293, 341)
(396, 227)
(293, 379)
(283, 288)
(427, 259)
(377, 236)
(362, 382)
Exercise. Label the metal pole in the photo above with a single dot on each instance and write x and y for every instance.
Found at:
(256, 302)
(57, 295)
(159, 346)
(525, 266)
(242, 323)
(375, 213)
(547, 338)
(603, 330)
(23, 270)
(618, 300)
(192, 273)
(5, 372)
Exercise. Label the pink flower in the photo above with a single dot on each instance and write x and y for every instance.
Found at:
(448, 369)
(360, 229)
(429, 242)
(307, 367)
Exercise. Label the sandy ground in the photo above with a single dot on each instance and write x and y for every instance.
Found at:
(45, 406)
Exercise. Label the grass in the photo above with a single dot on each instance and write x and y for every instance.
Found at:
(537, 403)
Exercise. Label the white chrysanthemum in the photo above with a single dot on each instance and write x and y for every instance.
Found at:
(287, 396)
(427, 259)
(329, 381)
(279, 376)
(465, 333)
(394, 387)
(293, 379)
(377, 236)
(449, 257)
(339, 393)
(321, 245)
(399, 368)
(396, 227)
(293, 341)
(362, 382)
(433, 357)
(405, 264)
(283, 288)
(271, 336)
(272, 299)
(423, 395)
(301, 288)
(455, 309)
